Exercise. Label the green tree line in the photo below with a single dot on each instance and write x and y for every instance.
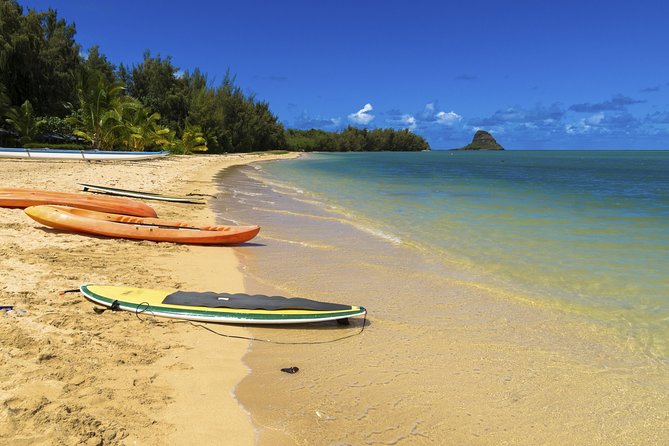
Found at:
(353, 139)
(50, 92)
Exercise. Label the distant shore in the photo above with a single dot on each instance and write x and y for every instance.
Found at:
(70, 375)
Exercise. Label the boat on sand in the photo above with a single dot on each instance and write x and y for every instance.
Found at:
(23, 198)
(86, 155)
(129, 227)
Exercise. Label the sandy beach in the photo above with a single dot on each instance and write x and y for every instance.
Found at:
(484, 369)
(71, 376)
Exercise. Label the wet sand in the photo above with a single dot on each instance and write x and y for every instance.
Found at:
(71, 376)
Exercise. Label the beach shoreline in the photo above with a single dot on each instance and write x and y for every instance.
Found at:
(447, 358)
(70, 375)
(487, 370)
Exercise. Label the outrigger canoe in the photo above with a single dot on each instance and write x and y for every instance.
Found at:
(23, 198)
(139, 194)
(125, 226)
(218, 307)
(87, 155)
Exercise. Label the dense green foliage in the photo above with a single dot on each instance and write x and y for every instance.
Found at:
(39, 59)
(229, 120)
(49, 92)
(24, 122)
(4, 101)
(156, 84)
(355, 140)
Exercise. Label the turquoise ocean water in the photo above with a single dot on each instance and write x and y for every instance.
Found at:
(583, 231)
(522, 285)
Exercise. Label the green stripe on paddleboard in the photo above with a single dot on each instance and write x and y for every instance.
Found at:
(144, 308)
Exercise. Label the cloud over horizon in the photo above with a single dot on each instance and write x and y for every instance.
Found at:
(651, 89)
(598, 124)
(604, 124)
(539, 114)
(305, 122)
(448, 118)
(616, 103)
(432, 114)
(429, 117)
(409, 121)
(362, 116)
(658, 118)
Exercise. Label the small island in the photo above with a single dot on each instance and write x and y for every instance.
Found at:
(482, 141)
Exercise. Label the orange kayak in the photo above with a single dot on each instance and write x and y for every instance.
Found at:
(124, 226)
(22, 198)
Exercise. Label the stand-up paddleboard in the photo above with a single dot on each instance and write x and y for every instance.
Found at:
(218, 307)
(86, 155)
(23, 198)
(138, 194)
(125, 226)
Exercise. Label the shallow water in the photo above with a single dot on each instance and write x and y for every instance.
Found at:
(513, 297)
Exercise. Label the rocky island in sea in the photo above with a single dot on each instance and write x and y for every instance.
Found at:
(482, 141)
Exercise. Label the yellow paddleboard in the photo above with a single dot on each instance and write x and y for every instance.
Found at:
(199, 307)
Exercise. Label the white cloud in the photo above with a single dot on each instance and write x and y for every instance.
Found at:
(362, 116)
(587, 125)
(577, 128)
(409, 121)
(432, 115)
(595, 119)
(448, 118)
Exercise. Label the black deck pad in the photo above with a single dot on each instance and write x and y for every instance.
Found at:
(248, 302)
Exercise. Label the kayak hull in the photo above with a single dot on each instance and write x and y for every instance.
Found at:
(137, 228)
(23, 198)
(86, 155)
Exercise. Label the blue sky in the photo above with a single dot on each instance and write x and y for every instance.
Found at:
(538, 75)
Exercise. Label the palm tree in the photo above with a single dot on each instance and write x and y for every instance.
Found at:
(143, 129)
(24, 121)
(192, 140)
(101, 106)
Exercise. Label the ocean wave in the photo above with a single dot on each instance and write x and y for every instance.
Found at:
(394, 239)
(300, 243)
(290, 189)
(220, 219)
(236, 192)
(297, 214)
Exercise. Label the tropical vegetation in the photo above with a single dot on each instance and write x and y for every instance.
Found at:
(353, 139)
(50, 93)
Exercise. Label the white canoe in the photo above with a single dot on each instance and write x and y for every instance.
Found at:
(57, 154)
